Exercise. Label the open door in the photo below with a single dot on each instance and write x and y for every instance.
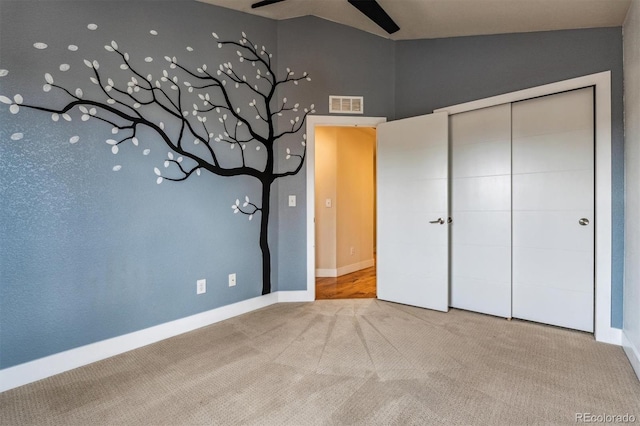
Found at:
(413, 237)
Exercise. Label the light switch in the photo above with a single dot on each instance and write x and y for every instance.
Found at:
(327, 203)
(292, 200)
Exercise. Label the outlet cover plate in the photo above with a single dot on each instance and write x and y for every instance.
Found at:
(232, 280)
(201, 286)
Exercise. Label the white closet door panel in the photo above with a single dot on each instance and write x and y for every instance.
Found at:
(563, 190)
(562, 269)
(481, 210)
(567, 153)
(483, 229)
(554, 114)
(549, 305)
(480, 264)
(481, 159)
(412, 189)
(485, 193)
(553, 188)
(558, 226)
(481, 126)
(487, 297)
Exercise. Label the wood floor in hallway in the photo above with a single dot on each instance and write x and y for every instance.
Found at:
(356, 285)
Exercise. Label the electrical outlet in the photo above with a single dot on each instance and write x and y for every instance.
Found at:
(352, 251)
(201, 286)
(232, 280)
(327, 203)
(292, 200)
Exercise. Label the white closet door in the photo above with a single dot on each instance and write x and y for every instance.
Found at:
(481, 210)
(412, 185)
(553, 209)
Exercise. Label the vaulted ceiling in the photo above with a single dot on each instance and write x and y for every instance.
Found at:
(451, 18)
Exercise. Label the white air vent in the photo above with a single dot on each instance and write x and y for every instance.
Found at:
(346, 104)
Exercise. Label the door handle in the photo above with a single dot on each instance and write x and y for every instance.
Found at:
(584, 221)
(439, 221)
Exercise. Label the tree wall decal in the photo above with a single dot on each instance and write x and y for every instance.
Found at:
(200, 115)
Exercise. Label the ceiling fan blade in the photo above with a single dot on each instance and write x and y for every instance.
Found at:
(376, 13)
(264, 3)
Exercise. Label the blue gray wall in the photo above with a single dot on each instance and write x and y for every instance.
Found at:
(87, 253)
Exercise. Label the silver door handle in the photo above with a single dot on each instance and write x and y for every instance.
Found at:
(439, 220)
(584, 221)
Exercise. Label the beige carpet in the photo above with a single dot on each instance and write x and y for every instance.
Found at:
(343, 362)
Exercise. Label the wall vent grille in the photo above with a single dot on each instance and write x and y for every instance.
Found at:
(346, 104)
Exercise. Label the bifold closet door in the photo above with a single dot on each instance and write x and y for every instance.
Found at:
(481, 210)
(553, 209)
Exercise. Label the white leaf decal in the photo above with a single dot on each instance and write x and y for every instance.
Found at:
(108, 49)
(14, 109)
(111, 141)
(114, 149)
(159, 180)
(92, 27)
(55, 117)
(83, 109)
(250, 217)
(114, 44)
(189, 48)
(153, 32)
(40, 45)
(198, 172)
(79, 92)
(148, 59)
(134, 140)
(85, 117)
(237, 202)
(88, 63)
(93, 111)
(48, 78)
(170, 155)
(3, 72)
(166, 163)
(5, 100)
(215, 35)
(117, 168)
(17, 136)
(124, 66)
(67, 117)
(146, 151)
(74, 139)
(72, 47)
(115, 130)
(18, 99)
(157, 171)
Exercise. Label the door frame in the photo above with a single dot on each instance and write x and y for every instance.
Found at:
(603, 225)
(312, 122)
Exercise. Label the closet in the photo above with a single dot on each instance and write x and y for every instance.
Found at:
(522, 204)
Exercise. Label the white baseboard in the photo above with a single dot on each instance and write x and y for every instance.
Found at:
(347, 269)
(609, 335)
(633, 353)
(42, 368)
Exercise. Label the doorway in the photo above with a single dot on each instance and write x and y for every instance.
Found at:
(345, 212)
(349, 272)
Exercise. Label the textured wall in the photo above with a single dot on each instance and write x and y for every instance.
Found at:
(88, 253)
(632, 173)
(431, 74)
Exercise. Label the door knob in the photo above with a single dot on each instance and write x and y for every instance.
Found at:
(439, 220)
(584, 221)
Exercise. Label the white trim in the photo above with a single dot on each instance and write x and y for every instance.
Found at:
(312, 122)
(347, 269)
(633, 353)
(602, 83)
(42, 368)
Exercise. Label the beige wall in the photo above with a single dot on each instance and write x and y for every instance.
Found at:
(631, 328)
(345, 174)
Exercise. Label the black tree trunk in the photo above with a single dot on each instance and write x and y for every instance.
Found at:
(264, 238)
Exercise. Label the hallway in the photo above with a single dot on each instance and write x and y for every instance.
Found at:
(356, 285)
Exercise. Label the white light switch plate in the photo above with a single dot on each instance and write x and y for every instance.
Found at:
(292, 200)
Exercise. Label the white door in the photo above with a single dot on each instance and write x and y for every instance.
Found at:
(412, 178)
(553, 209)
(481, 210)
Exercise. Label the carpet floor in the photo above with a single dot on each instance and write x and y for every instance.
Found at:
(343, 362)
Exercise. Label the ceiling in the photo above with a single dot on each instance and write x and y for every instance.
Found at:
(451, 18)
